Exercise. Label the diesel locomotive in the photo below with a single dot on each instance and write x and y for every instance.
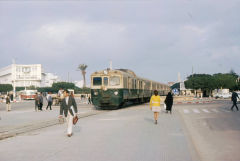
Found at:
(112, 89)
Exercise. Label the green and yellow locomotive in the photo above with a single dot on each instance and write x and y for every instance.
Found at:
(111, 89)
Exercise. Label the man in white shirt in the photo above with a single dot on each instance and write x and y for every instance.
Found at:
(69, 107)
(49, 100)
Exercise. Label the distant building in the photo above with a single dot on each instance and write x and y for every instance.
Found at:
(79, 83)
(48, 79)
(20, 75)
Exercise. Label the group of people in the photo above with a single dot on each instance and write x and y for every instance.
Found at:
(155, 104)
(69, 109)
(39, 101)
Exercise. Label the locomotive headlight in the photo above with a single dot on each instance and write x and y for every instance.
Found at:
(95, 93)
(116, 92)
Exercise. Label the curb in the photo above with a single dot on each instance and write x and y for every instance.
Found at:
(40, 125)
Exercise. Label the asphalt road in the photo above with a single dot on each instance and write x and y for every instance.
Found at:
(126, 134)
(206, 132)
(214, 130)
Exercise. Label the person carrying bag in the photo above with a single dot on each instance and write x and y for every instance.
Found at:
(75, 118)
(69, 108)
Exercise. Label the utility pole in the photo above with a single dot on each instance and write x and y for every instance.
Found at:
(193, 83)
(68, 77)
(110, 65)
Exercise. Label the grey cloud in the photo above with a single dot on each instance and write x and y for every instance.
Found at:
(163, 36)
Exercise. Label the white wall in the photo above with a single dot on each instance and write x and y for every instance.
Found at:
(27, 75)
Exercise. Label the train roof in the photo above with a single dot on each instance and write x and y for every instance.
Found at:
(119, 71)
(127, 72)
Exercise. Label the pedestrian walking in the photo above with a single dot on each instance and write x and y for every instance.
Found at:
(69, 108)
(234, 100)
(60, 93)
(71, 94)
(8, 103)
(40, 101)
(49, 100)
(89, 100)
(36, 102)
(155, 105)
(169, 102)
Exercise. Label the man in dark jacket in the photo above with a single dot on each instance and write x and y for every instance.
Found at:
(36, 102)
(40, 101)
(69, 108)
(234, 99)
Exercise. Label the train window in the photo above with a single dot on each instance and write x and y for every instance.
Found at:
(114, 81)
(105, 81)
(97, 81)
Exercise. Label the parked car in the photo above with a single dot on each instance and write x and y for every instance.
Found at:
(222, 95)
(226, 95)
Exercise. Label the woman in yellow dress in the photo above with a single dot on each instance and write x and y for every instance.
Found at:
(155, 105)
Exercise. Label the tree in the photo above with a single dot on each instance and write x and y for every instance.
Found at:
(63, 85)
(47, 89)
(199, 81)
(227, 80)
(31, 88)
(6, 87)
(205, 82)
(83, 68)
(232, 72)
(20, 88)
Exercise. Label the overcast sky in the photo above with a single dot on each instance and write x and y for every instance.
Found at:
(155, 38)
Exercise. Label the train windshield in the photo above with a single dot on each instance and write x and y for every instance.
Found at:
(114, 81)
(97, 81)
(105, 81)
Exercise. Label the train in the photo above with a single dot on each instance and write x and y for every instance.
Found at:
(114, 88)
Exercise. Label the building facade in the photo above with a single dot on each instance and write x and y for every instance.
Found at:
(20, 75)
(79, 83)
(48, 79)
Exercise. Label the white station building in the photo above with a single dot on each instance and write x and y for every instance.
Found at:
(20, 75)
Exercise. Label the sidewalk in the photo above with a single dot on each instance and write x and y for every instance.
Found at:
(22, 121)
(128, 134)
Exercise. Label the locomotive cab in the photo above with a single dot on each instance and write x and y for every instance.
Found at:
(106, 89)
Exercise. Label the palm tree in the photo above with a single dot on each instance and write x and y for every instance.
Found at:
(83, 68)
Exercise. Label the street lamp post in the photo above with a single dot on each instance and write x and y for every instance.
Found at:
(14, 89)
